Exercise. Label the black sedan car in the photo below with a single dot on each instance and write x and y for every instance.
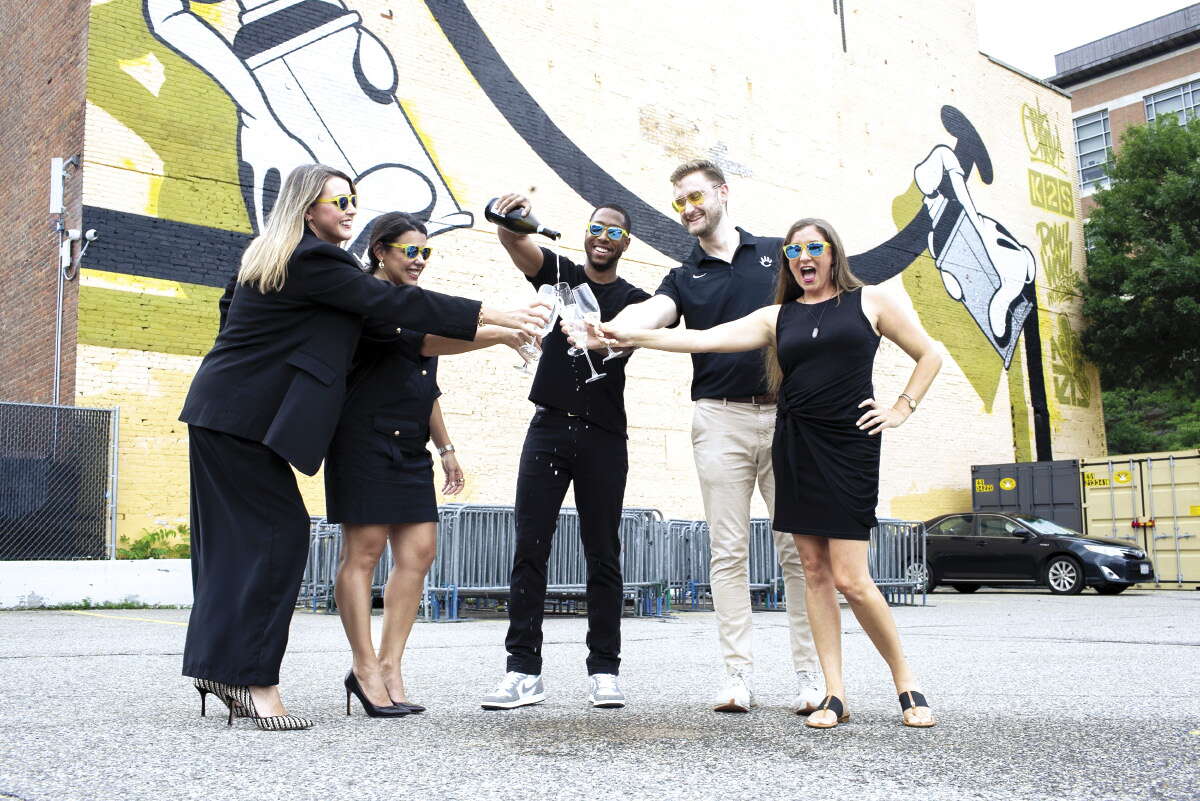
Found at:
(969, 551)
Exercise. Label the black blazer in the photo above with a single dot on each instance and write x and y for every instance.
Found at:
(277, 372)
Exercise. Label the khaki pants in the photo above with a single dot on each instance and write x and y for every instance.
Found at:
(732, 445)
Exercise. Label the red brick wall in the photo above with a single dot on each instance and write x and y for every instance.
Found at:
(43, 84)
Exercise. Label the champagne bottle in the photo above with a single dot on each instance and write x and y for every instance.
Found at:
(518, 223)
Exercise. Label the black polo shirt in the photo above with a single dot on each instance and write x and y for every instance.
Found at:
(560, 381)
(709, 292)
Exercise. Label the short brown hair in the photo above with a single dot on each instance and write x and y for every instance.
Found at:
(710, 170)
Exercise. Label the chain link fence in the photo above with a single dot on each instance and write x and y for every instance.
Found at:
(57, 482)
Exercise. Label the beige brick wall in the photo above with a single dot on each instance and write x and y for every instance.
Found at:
(801, 129)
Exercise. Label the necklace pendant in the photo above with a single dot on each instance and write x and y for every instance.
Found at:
(815, 331)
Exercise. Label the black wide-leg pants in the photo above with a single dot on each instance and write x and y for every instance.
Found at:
(557, 451)
(249, 547)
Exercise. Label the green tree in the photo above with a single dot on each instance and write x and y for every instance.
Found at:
(1142, 296)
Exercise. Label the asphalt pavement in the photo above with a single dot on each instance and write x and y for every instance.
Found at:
(1038, 697)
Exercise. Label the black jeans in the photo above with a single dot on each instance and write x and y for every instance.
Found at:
(559, 450)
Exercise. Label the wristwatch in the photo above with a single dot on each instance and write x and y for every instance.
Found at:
(912, 404)
(447, 448)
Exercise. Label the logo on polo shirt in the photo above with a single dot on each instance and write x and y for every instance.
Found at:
(699, 275)
(766, 261)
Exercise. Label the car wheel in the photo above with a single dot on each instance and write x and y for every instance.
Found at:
(965, 587)
(1111, 589)
(922, 577)
(1064, 576)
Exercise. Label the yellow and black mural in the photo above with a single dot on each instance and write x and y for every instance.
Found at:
(198, 108)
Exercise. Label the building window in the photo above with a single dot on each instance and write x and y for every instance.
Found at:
(1092, 143)
(1182, 101)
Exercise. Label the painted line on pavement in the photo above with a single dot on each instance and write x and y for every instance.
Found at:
(124, 617)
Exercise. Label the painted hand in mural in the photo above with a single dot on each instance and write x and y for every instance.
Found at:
(312, 84)
(266, 154)
(982, 264)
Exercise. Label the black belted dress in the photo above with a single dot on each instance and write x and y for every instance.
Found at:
(826, 469)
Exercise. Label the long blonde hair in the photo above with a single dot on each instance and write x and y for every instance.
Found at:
(787, 290)
(264, 264)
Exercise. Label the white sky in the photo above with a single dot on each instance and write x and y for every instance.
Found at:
(1028, 33)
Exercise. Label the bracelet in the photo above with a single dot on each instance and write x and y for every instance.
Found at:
(479, 322)
(447, 448)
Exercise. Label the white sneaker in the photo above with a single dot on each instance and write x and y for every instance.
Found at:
(515, 689)
(605, 692)
(736, 694)
(810, 691)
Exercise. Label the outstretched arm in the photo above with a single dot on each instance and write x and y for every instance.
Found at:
(755, 330)
(658, 311)
(898, 324)
(485, 337)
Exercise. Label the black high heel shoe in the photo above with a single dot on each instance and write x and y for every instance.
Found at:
(242, 703)
(390, 711)
(413, 709)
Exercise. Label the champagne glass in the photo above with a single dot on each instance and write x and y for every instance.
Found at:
(572, 315)
(530, 352)
(586, 299)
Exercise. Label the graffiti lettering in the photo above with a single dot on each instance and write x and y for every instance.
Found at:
(1071, 385)
(1042, 138)
(1061, 276)
(1052, 194)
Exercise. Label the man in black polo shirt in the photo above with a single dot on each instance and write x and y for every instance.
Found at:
(577, 434)
(729, 274)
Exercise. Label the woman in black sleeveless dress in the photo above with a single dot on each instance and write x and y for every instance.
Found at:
(379, 474)
(821, 338)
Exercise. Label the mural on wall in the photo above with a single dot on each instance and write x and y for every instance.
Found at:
(288, 70)
(285, 66)
(1054, 194)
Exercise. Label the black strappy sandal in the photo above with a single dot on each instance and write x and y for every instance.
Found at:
(834, 705)
(910, 699)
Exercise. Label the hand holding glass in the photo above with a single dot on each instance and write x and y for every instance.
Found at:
(572, 315)
(585, 298)
(531, 353)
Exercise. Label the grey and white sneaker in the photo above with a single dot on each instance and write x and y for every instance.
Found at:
(605, 692)
(515, 689)
(735, 694)
(810, 691)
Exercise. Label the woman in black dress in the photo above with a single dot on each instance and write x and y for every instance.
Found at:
(267, 398)
(379, 474)
(821, 337)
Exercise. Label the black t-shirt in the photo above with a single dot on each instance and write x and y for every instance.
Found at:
(709, 292)
(560, 379)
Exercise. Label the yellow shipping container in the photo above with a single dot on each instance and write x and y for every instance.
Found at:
(1151, 500)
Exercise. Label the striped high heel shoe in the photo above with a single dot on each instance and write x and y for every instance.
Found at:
(240, 698)
(206, 687)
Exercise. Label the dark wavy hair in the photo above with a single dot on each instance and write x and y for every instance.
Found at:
(386, 228)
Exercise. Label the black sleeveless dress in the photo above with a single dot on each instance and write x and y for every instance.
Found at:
(378, 468)
(826, 468)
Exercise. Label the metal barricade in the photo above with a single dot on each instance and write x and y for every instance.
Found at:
(58, 491)
(663, 562)
(476, 546)
(896, 557)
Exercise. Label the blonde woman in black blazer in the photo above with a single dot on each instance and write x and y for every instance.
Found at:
(266, 398)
